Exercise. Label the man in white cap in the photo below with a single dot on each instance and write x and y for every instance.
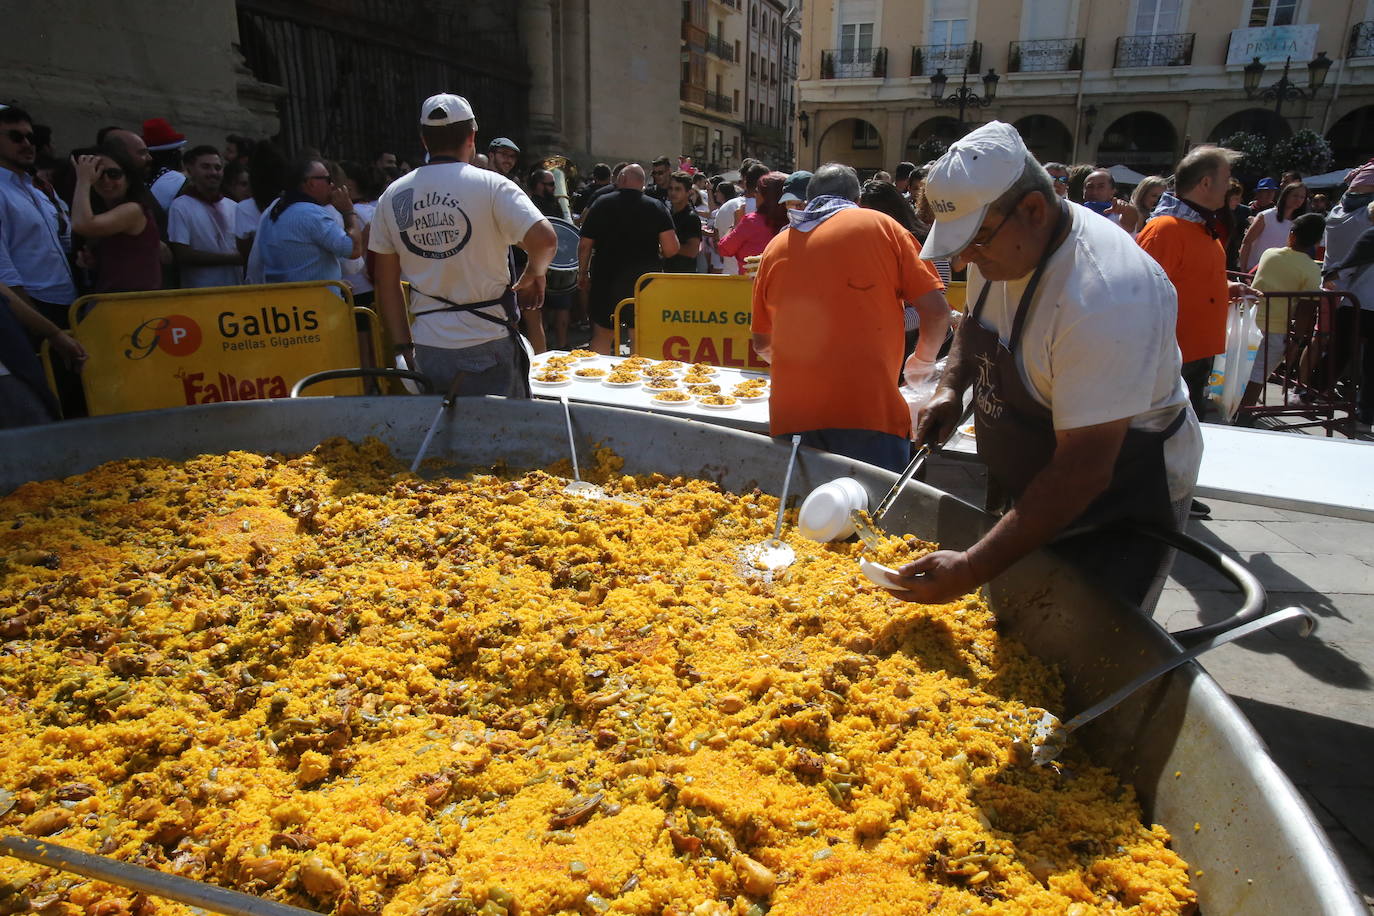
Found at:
(446, 227)
(1069, 346)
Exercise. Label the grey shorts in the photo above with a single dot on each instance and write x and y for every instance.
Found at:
(19, 406)
(487, 368)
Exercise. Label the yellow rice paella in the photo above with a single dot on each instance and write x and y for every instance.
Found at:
(334, 684)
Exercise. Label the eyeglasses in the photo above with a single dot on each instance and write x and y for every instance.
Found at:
(18, 136)
(1061, 179)
(319, 178)
(982, 245)
(112, 174)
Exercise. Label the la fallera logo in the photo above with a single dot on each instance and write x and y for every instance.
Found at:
(175, 335)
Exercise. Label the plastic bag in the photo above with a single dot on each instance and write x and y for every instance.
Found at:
(920, 385)
(1231, 370)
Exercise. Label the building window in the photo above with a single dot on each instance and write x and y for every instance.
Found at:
(751, 109)
(1272, 12)
(753, 63)
(753, 16)
(737, 100)
(865, 135)
(737, 57)
(1157, 17)
(858, 20)
(948, 22)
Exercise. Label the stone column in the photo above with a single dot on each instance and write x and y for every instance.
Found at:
(536, 33)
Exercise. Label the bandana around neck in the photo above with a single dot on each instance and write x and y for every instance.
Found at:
(818, 210)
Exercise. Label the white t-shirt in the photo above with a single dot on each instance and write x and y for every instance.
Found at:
(725, 221)
(1272, 234)
(451, 224)
(205, 227)
(1100, 343)
(246, 216)
(355, 269)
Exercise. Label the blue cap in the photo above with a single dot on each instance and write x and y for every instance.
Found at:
(794, 188)
(1267, 184)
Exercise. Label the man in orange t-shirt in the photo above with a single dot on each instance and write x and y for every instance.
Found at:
(828, 317)
(1182, 237)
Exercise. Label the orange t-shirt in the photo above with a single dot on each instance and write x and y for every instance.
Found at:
(1196, 263)
(832, 300)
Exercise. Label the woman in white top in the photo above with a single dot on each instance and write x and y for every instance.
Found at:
(1270, 228)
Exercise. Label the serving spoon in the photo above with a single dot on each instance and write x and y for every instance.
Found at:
(1049, 735)
(773, 555)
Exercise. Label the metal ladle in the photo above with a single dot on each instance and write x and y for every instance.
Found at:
(578, 486)
(1049, 735)
(773, 555)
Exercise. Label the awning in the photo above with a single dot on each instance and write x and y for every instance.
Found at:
(1122, 174)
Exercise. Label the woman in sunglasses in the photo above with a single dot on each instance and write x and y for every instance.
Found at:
(113, 211)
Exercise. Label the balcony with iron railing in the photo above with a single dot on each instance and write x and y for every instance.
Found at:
(1045, 55)
(720, 48)
(718, 102)
(1174, 50)
(1361, 40)
(956, 59)
(765, 133)
(854, 63)
(733, 5)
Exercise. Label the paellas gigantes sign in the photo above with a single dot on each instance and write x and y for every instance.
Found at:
(183, 347)
(698, 318)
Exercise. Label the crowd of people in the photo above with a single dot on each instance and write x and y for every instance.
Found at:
(1091, 325)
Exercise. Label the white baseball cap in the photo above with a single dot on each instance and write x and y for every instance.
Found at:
(445, 108)
(972, 173)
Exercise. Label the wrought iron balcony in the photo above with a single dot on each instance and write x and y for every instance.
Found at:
(717, 102)
(765, 133)
(1154, 50)
(854, 63)
(720, 48)
(953, 59)
(1361, 40)
(1045, 55)
(732, 4)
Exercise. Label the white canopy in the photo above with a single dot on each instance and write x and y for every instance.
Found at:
(1125, 175)
(1328, 180)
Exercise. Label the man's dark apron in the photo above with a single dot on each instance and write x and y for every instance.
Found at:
(1016, 439)
(508, 304)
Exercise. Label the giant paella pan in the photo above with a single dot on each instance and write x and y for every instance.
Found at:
(256, 654)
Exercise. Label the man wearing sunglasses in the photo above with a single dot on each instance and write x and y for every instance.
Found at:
(1069, 348)
(34, 226)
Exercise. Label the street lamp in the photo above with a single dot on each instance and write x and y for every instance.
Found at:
(1285, 90)
(804, 120)
(963, 97)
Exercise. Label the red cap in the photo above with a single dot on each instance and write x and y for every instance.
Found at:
(1362, 179)
(159, 135)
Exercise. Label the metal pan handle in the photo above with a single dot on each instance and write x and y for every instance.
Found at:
(1254, 598)
(331, 374)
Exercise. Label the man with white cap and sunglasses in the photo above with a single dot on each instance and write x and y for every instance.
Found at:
(1069, 346)
(446, 228)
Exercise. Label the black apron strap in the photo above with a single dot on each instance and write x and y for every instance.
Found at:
(506, 302)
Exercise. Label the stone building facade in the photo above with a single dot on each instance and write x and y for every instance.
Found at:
(1133, 82)
(591, 79)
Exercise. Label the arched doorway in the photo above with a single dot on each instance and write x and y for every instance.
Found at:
(854, 142)
(1259, 121)
(1352, 138)
(1143, 140)
(931, 138)
(1046, 137)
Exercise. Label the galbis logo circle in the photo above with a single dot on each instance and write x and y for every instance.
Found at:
(175, 335)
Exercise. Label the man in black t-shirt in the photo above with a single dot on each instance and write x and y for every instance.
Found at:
(686, 223)
(629, 234)
(661, 171)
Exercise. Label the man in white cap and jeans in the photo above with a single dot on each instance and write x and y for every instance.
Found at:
(446, 227)
(1082, 417)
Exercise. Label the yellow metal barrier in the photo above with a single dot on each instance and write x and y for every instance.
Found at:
(696, 318)
(956, 294)
(173, 348)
